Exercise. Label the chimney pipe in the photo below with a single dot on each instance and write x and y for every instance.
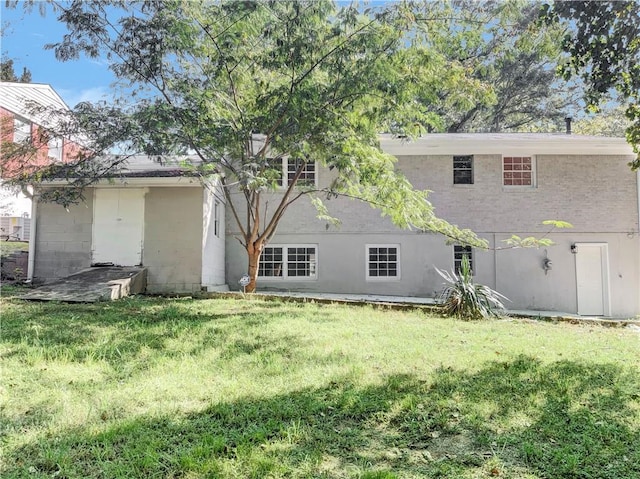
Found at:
(567, 122)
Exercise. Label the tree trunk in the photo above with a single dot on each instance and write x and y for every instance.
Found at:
(254, 251)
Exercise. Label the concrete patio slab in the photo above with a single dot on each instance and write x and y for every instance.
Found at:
(105, 283)
(408, 302)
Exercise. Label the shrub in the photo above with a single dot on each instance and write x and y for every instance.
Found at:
(465, 299)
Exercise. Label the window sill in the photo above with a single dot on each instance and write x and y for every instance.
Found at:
(288, 278)
(519, 188)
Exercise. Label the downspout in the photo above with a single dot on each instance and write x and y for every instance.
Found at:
(495, 262)
(638, 231)
(32, 238)
(638, 192)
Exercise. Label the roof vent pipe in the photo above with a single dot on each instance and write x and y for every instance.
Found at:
(567, 122)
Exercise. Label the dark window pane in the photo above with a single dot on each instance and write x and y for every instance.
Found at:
(463, 170)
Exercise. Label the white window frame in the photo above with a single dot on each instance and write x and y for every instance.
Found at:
(21, 129)
(284, 173)
(285, 269)
(397, 277)
(472, 169)
(302, 181)
(56, 148)
(534, 176)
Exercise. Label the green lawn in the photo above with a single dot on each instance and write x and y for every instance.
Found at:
(158, 388)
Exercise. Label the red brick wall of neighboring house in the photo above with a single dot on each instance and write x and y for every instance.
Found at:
(6, 125)
(37, 156)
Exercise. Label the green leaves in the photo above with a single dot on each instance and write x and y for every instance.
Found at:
(516, 241)
(604, 52)
(463, 298)
(237, 83)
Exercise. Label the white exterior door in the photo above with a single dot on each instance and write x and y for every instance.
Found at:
(592, 275)
(118, 226)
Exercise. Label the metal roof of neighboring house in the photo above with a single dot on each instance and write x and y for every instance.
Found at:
(17, 97)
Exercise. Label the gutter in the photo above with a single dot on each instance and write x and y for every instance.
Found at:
(123, 182)
(32, 239)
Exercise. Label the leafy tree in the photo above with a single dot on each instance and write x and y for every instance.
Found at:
(603, 43)
(243, 84)
(505, 48)
(606, 122)
(7, 72)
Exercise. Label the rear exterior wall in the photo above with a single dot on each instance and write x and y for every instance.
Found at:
(597, 195)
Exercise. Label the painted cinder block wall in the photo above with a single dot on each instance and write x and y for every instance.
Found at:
(172, 246)
(63, 239)
(172, 239)
(213, 238)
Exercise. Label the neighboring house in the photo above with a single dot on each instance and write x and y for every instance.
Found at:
(15, 228)
(496, 184)
(20, 122)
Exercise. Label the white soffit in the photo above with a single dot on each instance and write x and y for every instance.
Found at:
(505, 143)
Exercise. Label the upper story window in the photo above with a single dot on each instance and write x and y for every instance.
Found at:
(287, 168)
(288, 262)
(21, 130)
(518, 171)
(460, 252)
(383, 262)
(308, 174)
(55, 145)
(463, 170)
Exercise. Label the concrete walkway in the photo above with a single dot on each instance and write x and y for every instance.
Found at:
(404, 302)
(106, 283)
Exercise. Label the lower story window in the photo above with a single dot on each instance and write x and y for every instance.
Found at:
(460, 252)
(383, 262)
(291, 261)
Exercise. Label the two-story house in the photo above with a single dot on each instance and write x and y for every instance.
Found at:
(28, 123)
(496, 184)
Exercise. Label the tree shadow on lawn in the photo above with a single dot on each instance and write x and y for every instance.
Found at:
(519, 418)
(117, 332)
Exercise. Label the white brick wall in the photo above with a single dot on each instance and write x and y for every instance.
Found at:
(595, 194)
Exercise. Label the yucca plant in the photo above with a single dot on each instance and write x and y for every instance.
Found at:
(465, 299)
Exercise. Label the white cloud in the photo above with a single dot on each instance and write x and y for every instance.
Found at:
(94, 94)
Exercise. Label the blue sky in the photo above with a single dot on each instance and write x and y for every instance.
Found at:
(24, 36)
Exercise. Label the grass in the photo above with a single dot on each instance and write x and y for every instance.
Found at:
(158, 388)
(8, 247)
